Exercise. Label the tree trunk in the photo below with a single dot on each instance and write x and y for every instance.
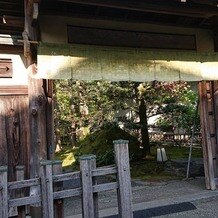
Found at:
(144, 127)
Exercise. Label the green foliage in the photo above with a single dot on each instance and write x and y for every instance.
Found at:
(89, 105)
(179, 112)
(176, 152)
(100, 143)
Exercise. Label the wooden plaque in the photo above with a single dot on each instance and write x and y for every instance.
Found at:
(6, 68)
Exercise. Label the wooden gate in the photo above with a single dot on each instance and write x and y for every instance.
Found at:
(13, 128)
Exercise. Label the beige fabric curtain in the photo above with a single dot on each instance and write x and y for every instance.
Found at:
(83, 62)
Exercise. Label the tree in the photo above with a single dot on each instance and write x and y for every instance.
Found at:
(91, 104)
(180, 111)
(171, 100)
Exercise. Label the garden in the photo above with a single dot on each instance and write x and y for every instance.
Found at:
(89, 116)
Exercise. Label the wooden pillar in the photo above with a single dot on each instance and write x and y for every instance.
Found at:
(124, 181)
(215, 100)
(214, 86)
(86, 163)
(215, 93)
(215, 96)
(208, 133)
(37, 98)
(37, 101)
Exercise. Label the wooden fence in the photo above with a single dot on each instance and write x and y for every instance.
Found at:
(177, 138)
(51, 193)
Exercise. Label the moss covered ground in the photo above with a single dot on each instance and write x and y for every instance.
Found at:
(100, 143)
(149, 169)
(145, 169)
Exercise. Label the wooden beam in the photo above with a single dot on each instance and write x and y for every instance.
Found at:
(12, 9)
(10, 30)
(74, 13)
(107, 37)
(205, 2)
(33, 10)
(12, 1)
(29, 8)
(35, 13)
(11, 49)
(13, 90)
(173, 8)
(13, 21)
(12, 12)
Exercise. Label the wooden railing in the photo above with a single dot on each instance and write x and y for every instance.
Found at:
(174, 137)
(50, 193)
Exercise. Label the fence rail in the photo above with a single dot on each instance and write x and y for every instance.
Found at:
(174, 137)
(50, 184)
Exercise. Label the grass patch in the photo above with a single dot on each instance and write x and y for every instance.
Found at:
(153, 171)
(66, 155)
(175, 152)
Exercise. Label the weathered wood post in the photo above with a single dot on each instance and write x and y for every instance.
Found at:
(95, 195)
(86, 163)
(3, 192)
(207, 141)
(124, 180)
(37, 136)
(46, 189)
(58, 204)
(20, 176)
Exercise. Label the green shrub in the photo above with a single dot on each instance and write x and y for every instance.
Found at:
(100, 143)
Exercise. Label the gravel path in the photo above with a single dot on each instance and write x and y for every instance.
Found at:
(154, 194)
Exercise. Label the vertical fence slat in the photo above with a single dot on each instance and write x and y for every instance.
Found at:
(95, 195)
(58, 204)
(20, 193)
(3, 192)
(124, 181)
(87, 193)
(47, 189)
